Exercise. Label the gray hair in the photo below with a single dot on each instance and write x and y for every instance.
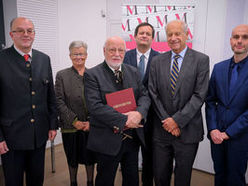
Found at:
(184, 25)
(13, 20)
(78, 44)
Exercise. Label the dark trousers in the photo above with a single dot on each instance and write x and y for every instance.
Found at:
(16, 162)
(230, 163)
(164, 152)
(128, 158)
(147, 168)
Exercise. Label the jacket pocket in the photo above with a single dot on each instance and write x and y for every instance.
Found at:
(6, 122)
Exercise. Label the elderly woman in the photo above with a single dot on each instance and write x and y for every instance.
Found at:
(73, 114)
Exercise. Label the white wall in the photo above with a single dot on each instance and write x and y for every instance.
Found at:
(81, 20)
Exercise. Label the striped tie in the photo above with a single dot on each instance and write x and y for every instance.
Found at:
(174, 74)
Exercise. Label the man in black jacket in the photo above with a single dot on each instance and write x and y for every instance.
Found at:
(28, 107)
(108, 137)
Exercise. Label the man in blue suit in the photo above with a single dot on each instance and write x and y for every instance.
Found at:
(144, 34)
(227, 113)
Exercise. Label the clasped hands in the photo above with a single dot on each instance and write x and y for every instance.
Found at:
(82, 125)
(133, 119)
(171, 126)
(218, 137)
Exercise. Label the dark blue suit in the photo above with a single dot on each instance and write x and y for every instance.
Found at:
(229, 114)
(147, 173)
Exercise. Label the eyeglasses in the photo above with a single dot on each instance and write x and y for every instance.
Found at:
(22, 31)
(114, 50)
(78, 55)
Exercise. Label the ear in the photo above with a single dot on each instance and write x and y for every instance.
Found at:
(11, 34)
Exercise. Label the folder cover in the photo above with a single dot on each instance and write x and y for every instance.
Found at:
(123, 101)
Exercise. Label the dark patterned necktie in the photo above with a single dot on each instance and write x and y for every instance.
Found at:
(118, 76)
(174, 74)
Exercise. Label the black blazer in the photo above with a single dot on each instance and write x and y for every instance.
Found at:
(99, 81)
(131, 59)
(28, 106)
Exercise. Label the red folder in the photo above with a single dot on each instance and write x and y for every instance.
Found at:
(123, 101)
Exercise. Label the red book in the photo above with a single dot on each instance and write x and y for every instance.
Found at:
(123, 101)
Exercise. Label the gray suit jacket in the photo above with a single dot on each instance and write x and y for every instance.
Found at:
(191, 89)
(99, 81)
(69, 89)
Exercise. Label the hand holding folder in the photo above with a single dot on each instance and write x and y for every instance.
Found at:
(124, 102)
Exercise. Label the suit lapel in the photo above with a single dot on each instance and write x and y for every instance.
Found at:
(185, 68)
(241, 79)
(166, 70)
(134, 58)
(224, 76)
(148, 66)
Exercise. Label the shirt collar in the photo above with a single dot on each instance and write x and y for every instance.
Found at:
(113, 68)
(240, 64)
(145, 54)
(182, 53)
(22, 53)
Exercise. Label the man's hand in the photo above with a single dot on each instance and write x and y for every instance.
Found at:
(224, 136)
(133, 119)
(216, 136)
(176, 132)
(86, 126)
(3, 147)
(52, 134)
(79, 125)
(169, 125)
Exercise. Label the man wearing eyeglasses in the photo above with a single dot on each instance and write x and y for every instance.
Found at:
(28, 107)
(115, 136)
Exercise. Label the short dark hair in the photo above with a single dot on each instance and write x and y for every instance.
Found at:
(144, 24)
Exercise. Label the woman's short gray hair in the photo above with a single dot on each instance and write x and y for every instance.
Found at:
(78, 44)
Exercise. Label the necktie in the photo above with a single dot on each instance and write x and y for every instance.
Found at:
(118, 75)
(174, 74)
(26, 56)
(142, 66)
(233, 80)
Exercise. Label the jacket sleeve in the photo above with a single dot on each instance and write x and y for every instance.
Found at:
(211, 104)
(51, 101)
(153, 91)
(66, 115)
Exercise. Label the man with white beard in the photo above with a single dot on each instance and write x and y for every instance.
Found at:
(115, 136)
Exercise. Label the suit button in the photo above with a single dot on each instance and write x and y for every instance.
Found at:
(32, 120)
(33, 106)
(27, 65)
(30, 79)
(33, 93)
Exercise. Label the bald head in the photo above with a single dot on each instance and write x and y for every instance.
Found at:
(22, 33)
(114, 51)
(239, 42)
(19, 19)
(114, 39)
(177, 35)
(179, 23)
